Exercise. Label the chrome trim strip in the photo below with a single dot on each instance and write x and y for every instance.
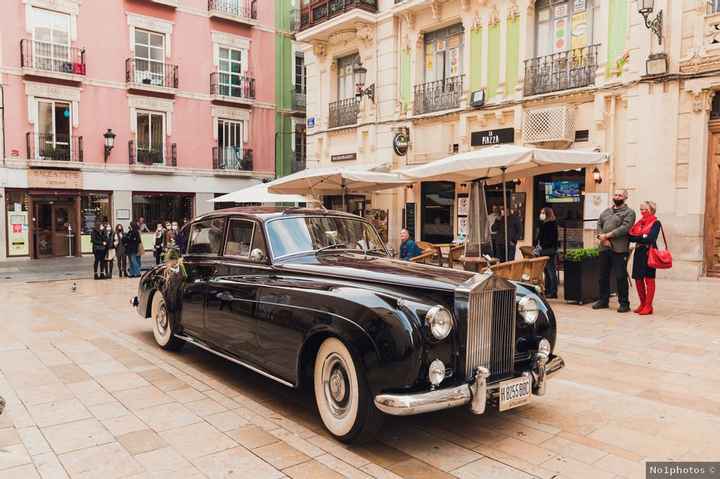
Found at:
(201, 345)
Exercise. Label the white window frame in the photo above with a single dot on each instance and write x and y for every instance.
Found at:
(53, 102)
(50, 51)
(234, 153)
(237, 114)
(156, 77)
(242, 75)
(153, 24)
(68, 7)
(549, 23)
(346, 62)
(36, 91)
(163, 135)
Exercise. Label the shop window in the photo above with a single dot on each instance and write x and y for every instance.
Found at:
(158, 208)
(443, 53)
(206, 237)
(562, 25)
(436, 204)
(18, 227)
(94, 207)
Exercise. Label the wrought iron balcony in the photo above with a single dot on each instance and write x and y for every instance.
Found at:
(146, 73)
(343, 112)
(232, 86)
(52, 57)
(322, 10)
(561, 71)
(438, 95)
(42, 146)
(232, 158)
(298, 98)
(149, 155)
(233, 9)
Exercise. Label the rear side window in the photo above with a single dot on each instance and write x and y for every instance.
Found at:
(240, 236)
(206, 237)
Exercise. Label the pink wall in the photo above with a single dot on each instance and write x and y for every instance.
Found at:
(103, 31)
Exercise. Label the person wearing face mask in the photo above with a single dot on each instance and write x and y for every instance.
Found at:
(613, 226)
(548, 245)
(120, 255)
(110, 254)
(159, 243)
(171, 236)
(645, 234)
(99, 247)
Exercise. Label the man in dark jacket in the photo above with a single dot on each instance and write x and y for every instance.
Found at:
(408, 248)
(612, 228)
(514, 232)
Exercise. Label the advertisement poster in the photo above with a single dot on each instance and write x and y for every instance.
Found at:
(429, 53)
(579, 30)
(18, 234)
(462, 226)
(560, 35)
(454, 61)
(580, 6)
(595, 204)
(463, 204)
(561, 10)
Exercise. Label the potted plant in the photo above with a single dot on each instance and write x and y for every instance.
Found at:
(582, 273)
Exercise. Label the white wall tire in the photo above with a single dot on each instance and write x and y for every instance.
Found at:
(341, 393)
(163, 326)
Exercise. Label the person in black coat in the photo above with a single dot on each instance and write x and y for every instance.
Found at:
(548, 242)
(132, 244)
(645, 234)
(514, 232)
(99, 248)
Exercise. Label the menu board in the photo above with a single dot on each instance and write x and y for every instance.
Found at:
(410, 218)
(18, 233)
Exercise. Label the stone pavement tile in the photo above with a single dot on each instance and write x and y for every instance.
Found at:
(162, 459)
(236, 462)
(48, 414)
(33, 440)
(644, 444)
(76, 435)
(52, 357)
(379, 472)
(139, 442)
(205, 407)
(132, 360)
(102, 368)
(51, 392)
(595, 444)
(621, 466)
(124, 424)
(197, 440)
(567, 448)
(518, 430)
(143, 397)
(523, 450)
(9, 437)
(226, 421)
(299, 443)
(256, 419)
(335, 448)
(167, 416)
(109, 461)
(342, 467)
(70, 373)
(222, 399)
(515, 462)
(185, 473)
(435, 451)
(186, 395)
(156, 374)
(381, 454)
(27, 471)
(418, 470)
(572, 468)
(281, 455)
(90, 393)
(12, 456)
(252, 437)
(121, 381)
(170, 384)
(108, 410)
(487, 468)
(84, 357)
(312, 469)
(49, 466)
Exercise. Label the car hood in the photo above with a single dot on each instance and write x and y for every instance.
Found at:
(374, 269)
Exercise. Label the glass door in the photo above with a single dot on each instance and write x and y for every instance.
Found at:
(53, 130)
(51, 41)
(43, 230)
(230, 144)
(232, 68)
(150, 135)
(149, 58)
(61, 216)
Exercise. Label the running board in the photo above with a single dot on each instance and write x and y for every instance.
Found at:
(201, 345)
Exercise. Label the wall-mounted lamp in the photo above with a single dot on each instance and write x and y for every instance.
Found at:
(646, 7)
(109, 142)
(516, 181)
(359, 74)
(596, 176)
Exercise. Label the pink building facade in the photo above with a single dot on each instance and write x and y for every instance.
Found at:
(185, 86)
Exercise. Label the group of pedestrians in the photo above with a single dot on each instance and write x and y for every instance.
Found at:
(115, 245)
(166, 239)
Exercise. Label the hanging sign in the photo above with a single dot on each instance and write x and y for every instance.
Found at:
(492, 137)
(344, 157)
(401, 142)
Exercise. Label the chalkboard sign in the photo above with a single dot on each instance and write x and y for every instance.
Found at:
(410, 219)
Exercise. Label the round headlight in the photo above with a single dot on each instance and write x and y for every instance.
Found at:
(440, 322)
(544, 347)
(529, 309)
(436, 373)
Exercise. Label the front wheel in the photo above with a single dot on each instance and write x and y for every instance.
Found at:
(342, 395)
(163, 325)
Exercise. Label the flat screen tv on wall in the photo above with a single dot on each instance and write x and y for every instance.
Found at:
(562, 192)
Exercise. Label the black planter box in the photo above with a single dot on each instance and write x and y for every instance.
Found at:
(581, 280)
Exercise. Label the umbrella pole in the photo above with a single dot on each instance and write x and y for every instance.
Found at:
(344, 205)
(505, 215)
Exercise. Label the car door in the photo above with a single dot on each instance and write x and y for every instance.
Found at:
(205, 240)
(232, 293)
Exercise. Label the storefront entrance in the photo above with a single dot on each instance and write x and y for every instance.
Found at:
(55, 221)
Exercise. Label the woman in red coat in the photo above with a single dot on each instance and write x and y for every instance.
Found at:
(645, 234)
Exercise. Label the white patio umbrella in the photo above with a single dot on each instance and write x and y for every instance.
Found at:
(496, 163)
(258, 194)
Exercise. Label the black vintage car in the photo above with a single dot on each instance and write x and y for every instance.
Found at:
(310, 297)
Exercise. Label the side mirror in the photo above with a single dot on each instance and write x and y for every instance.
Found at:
(257, 256)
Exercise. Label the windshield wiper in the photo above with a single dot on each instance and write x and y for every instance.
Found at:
(331, 246)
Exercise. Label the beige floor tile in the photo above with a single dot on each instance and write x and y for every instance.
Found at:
(197, 440)
(621, 466)
(49, 466)
(103, 368)
(572, 468)
(233, 463)
(143, 397)
(567, 448)
(108, 461)
(487, 468)
(52, 392)
(644, 444)
(312, 469)
(252, 437)
(90, 393)
(70, 373)
(13, 456)
(33, 440)
(226, 421)
(379, 472)
(342, 467)
(205, 407)
(27, 471)
(281, 455)
(437, 452)
(523, 450)
(186, 395)
(167, 416)
(76, 435)
(121, 381)
(48, 414)
(162, 459)
(124, 424)
(170, 385)
(139, 442)
(9, 437)
(299, 443)
(108, 410)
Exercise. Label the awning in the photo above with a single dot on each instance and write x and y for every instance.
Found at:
(258, 194)
(330, 180)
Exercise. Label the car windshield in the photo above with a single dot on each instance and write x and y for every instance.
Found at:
(327, 233)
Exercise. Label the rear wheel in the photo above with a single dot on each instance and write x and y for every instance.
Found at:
(163, 325)
(342, 395)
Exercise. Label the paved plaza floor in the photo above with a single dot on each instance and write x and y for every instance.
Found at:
(89, 395)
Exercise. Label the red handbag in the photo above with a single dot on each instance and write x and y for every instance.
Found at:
(660, 259)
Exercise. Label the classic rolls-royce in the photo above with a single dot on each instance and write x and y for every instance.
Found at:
(311, 297)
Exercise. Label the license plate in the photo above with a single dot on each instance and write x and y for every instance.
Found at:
(514, 392)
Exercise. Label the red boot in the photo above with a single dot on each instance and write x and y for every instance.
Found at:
(640, 286)
(649, 296)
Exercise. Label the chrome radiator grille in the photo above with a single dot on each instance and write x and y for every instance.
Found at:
(491, 330)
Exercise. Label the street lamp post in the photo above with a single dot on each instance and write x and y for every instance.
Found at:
(359, 75)
(109, 142)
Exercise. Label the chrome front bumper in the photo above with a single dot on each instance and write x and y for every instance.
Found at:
(476, 392)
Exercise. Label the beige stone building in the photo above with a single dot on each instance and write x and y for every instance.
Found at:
(456, 75)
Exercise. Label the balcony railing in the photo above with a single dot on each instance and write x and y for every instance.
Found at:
(149, 155)
(143, 72)
(561, 71)
(234, 8)
(343, 112)
(232, 158)
(233, 86)
(438, 95)
(322, 10)
(42, 146)
(298, 98)
(52, 57)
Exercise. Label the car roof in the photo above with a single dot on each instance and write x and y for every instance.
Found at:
(264, 213)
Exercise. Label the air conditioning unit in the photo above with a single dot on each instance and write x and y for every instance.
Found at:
(552, 127)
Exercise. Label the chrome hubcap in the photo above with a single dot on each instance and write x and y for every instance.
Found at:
(162, 320)
(336, 385)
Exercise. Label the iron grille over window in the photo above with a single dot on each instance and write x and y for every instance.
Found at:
(234, 158)
(235, 8)
(234, 86)
(51, 57)
(143, 72)
(561, 71)
(155, 154)
(438, 95)
(58, 147)
(343, 112)
(318, 12)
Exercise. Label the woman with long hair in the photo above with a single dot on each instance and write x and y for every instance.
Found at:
(645, 234)
(548, 246)
(99, 248)
(132, 248)
(120, 254)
